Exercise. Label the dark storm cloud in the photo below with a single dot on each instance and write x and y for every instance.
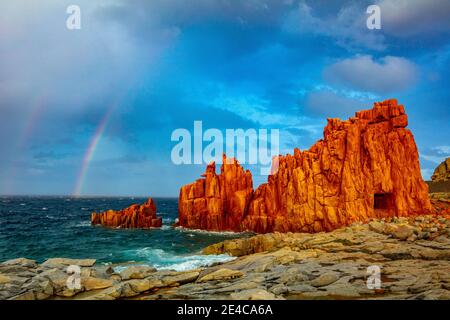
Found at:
(232, 64)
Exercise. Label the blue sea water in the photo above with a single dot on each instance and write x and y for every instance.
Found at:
(46, 227)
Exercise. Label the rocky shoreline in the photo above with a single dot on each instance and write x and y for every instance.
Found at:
(413, 255)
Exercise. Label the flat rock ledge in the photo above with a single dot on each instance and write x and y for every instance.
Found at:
(413, 255)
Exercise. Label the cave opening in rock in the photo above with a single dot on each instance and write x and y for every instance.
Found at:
(382, 201)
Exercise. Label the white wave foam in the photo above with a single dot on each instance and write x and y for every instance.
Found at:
(167, 220)
(163, 260)
(83, 224)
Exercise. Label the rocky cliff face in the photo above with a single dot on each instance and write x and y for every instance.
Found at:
(217, 202)
(442, 172)
(365, 167)
(135, 216)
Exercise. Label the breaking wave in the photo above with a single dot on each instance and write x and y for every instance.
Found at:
(163, 260)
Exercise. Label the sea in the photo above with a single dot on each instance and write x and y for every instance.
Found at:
(46, 227)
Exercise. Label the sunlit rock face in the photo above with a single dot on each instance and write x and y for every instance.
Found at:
(135, 216)
(442, 171)
(364, 167)
(217, 201)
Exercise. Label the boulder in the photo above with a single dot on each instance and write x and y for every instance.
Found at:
(400, 231)
(325, 279)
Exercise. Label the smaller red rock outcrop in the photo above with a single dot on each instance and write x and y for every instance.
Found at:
(135, 216)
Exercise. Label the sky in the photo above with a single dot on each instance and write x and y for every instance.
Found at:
(91, 111)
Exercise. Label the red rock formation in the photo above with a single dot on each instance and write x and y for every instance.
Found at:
(442, 172)
(135, 216)
(216, 202)
(364, 167)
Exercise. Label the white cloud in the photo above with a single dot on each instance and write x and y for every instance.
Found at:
(332, 103)
(442, 150)
(412, 18)
(347, 27)
(432, 158)
(389, 74)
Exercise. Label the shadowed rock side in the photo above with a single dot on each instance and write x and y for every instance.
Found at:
(135, 216)
(365, 167)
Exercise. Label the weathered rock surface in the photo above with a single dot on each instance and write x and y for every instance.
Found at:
(332, 265)
(221, 274)
(365, 167)
(216, 202)
(135, 216)
(136, 272)
(442, 172)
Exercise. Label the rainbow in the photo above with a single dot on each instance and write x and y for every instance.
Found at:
(37, 109)
(36, 113)
(89, 153)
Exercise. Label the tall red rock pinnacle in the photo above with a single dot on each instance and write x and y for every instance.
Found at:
(364, 167)
(216, 202)
(135, 216)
